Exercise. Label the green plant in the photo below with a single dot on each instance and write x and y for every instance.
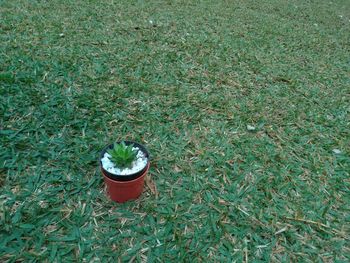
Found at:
(122, 155)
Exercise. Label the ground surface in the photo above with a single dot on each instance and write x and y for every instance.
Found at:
(185, 78)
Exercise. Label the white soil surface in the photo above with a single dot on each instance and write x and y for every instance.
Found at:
(136, 166)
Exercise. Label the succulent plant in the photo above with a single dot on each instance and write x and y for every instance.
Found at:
(122, 155)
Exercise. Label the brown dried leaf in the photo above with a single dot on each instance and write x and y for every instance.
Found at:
(151, 185)
(223, 202)
(177, 169)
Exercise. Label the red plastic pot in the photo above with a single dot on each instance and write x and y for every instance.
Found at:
(122, 188)
(122, 191)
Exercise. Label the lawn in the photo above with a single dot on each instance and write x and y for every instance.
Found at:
(243, 105)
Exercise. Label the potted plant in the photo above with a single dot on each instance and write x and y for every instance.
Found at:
(124, 166)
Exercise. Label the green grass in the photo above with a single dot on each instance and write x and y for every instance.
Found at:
(77, 75)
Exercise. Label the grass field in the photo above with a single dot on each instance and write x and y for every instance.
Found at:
(243, 105)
